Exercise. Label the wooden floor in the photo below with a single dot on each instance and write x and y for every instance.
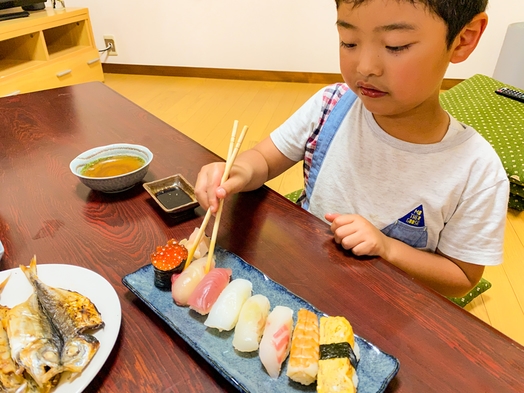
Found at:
(204, 109)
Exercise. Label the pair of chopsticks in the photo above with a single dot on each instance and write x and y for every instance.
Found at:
(231, 156)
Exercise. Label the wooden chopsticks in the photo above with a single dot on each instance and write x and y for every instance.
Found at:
(231, 156)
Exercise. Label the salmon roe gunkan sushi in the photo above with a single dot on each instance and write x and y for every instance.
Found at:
(167, 260)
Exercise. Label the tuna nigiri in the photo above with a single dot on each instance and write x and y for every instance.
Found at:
(185, 283)
(224, 313)
(251, 323)
(207, 291)
(276, 340)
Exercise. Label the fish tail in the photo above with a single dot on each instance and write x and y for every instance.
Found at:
(4, 283)
(30, 272)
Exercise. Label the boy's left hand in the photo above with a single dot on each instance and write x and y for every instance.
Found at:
(357, 234)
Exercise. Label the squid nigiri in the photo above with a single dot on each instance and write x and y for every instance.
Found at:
(251, 323)
(183, 284)
(276, 340)
(224, 313)
(207, 291)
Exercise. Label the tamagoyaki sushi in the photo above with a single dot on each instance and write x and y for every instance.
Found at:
(338, 357)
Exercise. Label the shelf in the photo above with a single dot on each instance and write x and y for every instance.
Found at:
(62, 40)
(50, 48)
(21, 52)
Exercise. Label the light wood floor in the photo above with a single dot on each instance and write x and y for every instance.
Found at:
(204, 109)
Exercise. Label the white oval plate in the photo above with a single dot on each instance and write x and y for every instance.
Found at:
(87, 283)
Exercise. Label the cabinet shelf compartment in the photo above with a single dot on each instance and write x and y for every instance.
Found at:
(20, 53)
(66, 39)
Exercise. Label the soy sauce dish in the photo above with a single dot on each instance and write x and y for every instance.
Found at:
(174, 194)
(112, 168)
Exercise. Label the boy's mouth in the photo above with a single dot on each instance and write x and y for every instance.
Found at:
(370, 91)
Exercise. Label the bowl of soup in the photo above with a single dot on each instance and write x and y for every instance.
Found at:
(112, 168)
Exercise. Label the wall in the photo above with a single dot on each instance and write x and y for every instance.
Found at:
(281, 35)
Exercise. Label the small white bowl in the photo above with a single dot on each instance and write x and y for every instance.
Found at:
(112, 183)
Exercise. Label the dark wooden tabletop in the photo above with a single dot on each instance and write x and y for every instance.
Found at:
(45, 210)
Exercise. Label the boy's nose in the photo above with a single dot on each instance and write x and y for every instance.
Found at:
(369, 63)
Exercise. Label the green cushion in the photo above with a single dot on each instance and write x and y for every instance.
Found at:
(498, 119)
(481, 287)
(293, 196)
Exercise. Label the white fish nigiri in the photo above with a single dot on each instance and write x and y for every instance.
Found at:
(224, 313)
(185, 283)
(251, 323)
(276, 340)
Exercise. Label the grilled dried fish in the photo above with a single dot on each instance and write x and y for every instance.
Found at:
(35, 344)
(71, 314)
(10, 378)
(13, 379)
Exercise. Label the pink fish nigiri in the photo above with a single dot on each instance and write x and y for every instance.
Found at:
(276, 340)
(206, 292)
(184, 283)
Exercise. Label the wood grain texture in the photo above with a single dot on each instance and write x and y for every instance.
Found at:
(195, 107)
(47, 212)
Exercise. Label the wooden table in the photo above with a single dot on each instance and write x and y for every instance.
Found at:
(45, 210)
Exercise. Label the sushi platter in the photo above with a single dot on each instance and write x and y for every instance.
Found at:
(244, 370)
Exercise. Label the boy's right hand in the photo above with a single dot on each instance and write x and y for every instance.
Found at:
(208, 190)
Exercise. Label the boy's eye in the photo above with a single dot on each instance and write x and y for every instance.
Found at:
(347, 45)
(397, 49)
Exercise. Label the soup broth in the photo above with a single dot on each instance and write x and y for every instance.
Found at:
(112, 166)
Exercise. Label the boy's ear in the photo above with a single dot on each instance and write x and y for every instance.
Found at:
(468, 38)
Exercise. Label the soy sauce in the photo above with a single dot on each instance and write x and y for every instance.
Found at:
(173, 197)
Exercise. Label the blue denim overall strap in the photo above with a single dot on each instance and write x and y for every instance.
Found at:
(325, 137)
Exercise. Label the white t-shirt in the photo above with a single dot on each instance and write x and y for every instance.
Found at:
(451, 195)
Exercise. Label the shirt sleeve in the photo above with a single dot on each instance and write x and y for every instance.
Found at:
(291, 137)
(475, 232)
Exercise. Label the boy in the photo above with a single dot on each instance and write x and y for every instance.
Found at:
(394, 174)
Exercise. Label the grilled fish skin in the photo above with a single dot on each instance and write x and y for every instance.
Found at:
(71, 314)
(35, 344)
(13, 378)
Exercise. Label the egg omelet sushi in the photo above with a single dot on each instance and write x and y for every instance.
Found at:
(338, 361)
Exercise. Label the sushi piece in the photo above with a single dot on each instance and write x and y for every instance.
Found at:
(276, 340)
(224, 313)
(338, 357)
(168, 260)
(251, 323)
(183, 284)
(202, 248)
(302, 366)
(207, 291)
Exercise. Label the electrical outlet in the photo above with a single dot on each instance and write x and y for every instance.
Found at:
(110, 40)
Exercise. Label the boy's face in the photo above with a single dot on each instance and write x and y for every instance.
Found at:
(393, 55)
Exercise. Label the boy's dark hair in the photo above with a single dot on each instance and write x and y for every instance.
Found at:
(455, 13)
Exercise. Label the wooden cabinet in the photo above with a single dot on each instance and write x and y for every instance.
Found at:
(50, 48)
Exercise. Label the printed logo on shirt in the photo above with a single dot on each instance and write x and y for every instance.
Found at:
(410, 229)
(414, 218)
